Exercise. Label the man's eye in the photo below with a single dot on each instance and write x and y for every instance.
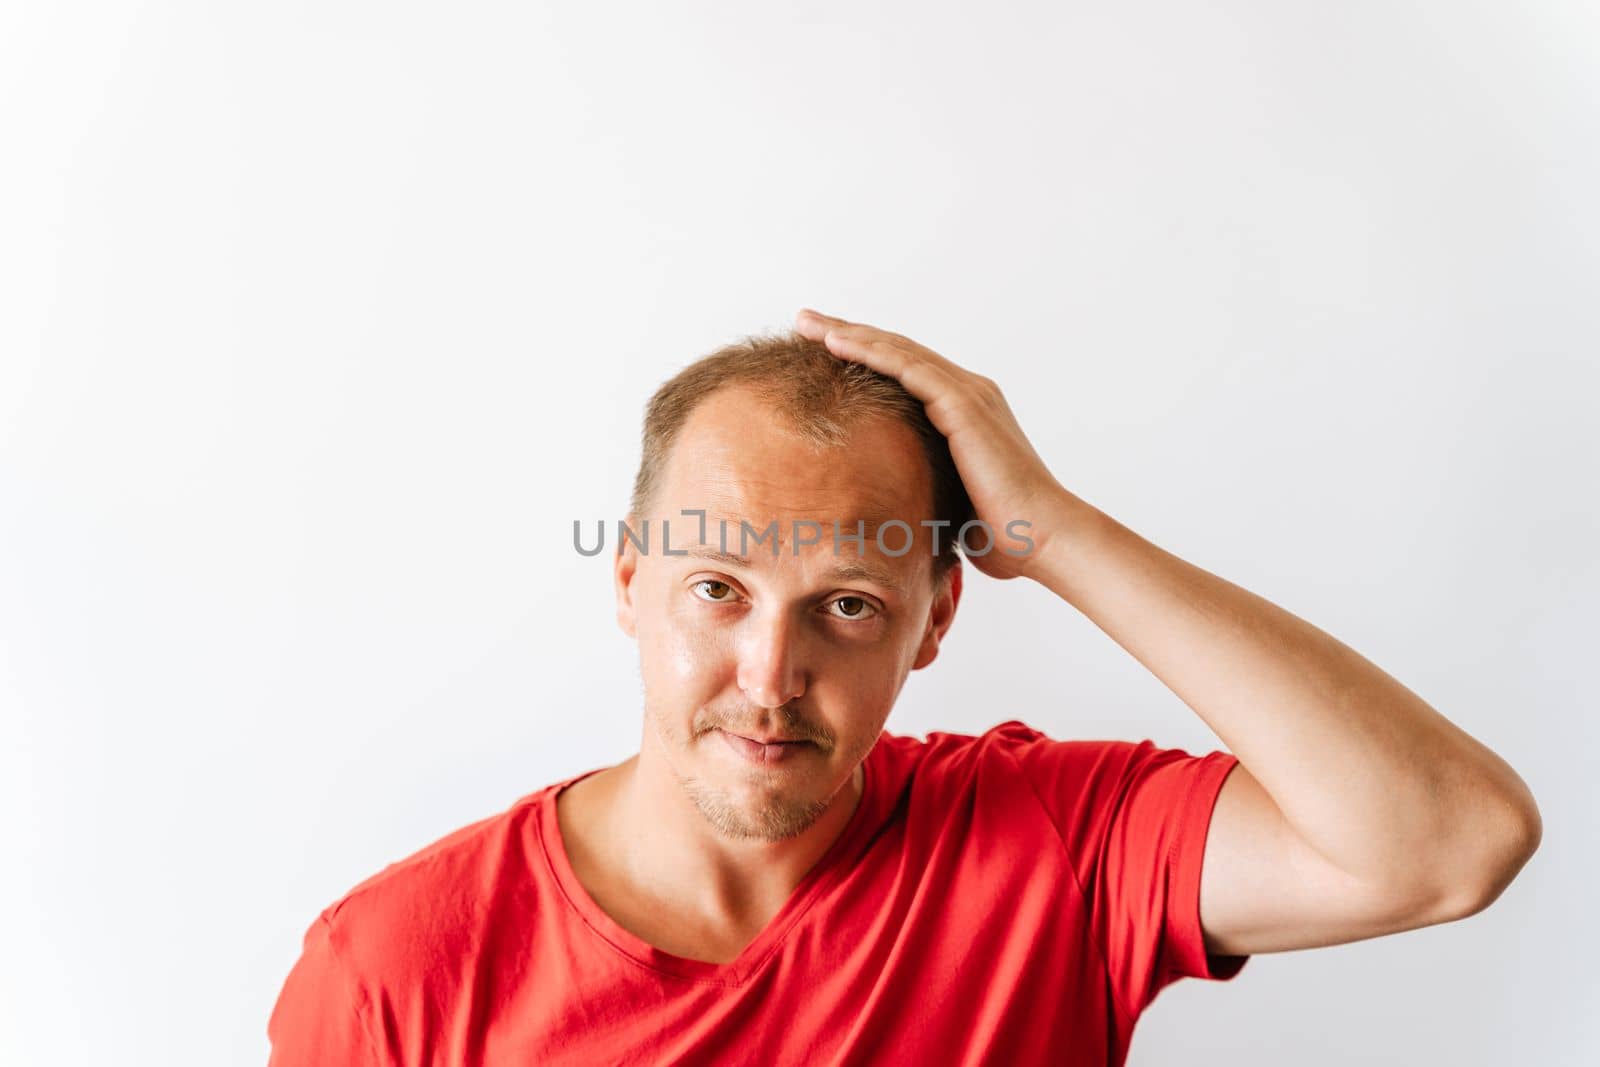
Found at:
(853, 607)
(717, 589)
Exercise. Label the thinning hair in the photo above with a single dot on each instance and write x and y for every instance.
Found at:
(820, 397)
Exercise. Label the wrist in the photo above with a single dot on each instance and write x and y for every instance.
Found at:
(1066, 527)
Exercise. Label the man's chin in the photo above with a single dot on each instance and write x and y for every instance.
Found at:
(746, 811)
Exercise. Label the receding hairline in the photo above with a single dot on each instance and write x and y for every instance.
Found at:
(817, 396)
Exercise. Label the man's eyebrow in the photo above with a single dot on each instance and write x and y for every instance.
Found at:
(844, 572)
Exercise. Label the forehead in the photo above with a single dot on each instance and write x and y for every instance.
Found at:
(735, 456)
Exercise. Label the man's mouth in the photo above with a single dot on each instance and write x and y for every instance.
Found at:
(763, 752)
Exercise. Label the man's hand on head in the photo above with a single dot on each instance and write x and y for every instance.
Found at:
(1004, 477)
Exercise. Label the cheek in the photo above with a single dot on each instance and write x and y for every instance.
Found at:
(869, 684)
(680, 649)
(875, 676)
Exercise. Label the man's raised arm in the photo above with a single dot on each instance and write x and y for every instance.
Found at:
(1356, 810)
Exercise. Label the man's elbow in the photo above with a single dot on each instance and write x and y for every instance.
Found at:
(1503, 852)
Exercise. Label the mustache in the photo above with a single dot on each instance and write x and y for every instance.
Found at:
(758, 722)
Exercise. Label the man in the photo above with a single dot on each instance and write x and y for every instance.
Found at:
(776, 879)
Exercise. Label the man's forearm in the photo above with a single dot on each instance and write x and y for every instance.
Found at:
(1364, 770)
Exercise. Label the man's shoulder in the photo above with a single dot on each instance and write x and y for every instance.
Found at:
(438, 900)
(1014, 735)
(952, 750)
(944, 763)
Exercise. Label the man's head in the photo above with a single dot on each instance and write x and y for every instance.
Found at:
(814, 641)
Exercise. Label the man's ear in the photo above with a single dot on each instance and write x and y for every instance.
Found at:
(624, 567)
(940, 614)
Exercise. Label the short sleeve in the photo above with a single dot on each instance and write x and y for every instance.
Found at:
(318, 1018)
(1134, 819)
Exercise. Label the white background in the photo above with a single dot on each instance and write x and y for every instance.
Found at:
(321, 322)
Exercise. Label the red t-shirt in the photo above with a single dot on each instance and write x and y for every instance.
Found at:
(1003, 897)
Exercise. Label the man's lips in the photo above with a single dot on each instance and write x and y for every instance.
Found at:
(773, 740)
(763, 751)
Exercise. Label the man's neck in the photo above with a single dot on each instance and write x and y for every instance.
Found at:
(642, 837)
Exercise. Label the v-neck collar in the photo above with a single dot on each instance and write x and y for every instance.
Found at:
(830, 867)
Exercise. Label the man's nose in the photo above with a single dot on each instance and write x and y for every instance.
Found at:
(771, 669)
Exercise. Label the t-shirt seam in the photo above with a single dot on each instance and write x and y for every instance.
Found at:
(1227, 760)
(859, 838)
(1178, 841)
(572, 905)
(358, 997)
(618, 950)
(1096, 935)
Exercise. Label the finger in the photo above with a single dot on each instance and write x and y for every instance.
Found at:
(923, 378)
(817, 326)
(813, 324)
(871, 335)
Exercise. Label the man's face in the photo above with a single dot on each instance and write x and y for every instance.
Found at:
(805, 644)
